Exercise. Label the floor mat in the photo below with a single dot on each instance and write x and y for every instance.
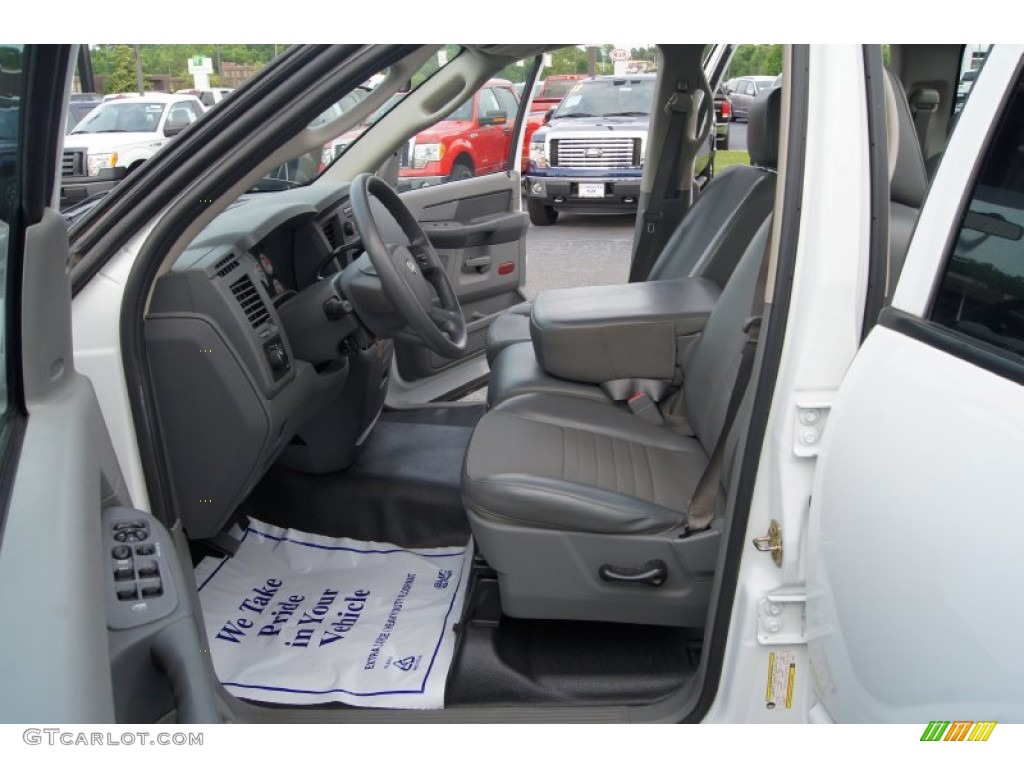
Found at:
(297, 618)
(405, 487)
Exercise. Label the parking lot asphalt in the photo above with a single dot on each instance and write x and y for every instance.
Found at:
(580, 249)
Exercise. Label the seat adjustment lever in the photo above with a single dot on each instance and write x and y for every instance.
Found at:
(652, 573)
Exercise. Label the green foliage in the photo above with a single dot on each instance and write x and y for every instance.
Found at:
(726, 157)
(756, 60)
(173, 59)
(122, 76)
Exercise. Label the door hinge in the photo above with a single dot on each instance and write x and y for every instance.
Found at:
(772, 542)
(782, 619)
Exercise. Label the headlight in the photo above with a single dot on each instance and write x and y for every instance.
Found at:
(96, 163)
(426, 153)
(539, 154)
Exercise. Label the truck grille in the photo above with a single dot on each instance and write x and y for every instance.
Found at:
(595, 153)
(73, 163)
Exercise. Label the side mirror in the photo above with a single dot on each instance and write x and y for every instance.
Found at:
(173, 128)
(548, 115)
(497, 117)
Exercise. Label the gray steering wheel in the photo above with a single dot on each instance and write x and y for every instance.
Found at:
(411, 273)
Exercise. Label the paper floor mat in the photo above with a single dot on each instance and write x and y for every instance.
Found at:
(298, 618)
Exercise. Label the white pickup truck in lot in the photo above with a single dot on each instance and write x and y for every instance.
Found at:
(119, 136)
(772, 479)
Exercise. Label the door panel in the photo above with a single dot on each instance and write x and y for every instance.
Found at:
(480, 235)
(917, 530)
(57, 564)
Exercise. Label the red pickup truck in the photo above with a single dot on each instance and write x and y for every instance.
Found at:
(472, 141)
(552, 91)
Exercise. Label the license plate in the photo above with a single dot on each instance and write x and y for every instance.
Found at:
(591, 190)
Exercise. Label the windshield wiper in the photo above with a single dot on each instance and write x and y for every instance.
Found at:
(575, 114)
(626, 114)
(111, 130)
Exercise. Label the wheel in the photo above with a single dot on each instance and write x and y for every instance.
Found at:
(461, 171)
(410, 273)
(541, 215)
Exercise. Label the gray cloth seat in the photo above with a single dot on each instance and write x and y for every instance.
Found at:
(714, 233)
(556, 485)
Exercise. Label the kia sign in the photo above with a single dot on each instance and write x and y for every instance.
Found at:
(619, 54)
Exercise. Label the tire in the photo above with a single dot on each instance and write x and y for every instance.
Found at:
(541, 215)
(461, 171)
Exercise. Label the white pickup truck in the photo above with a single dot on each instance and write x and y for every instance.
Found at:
(117, 137)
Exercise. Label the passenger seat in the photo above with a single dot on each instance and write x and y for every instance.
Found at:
(714, 233)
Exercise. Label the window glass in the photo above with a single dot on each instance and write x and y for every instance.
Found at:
(507, 102)
(11, 84)
(970, 66)
(488, 102)
(982, 292)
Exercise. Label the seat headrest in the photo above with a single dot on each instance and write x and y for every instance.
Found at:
(763, 129)
(908, 179)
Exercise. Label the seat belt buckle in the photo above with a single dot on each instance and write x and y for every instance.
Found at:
(641, 404)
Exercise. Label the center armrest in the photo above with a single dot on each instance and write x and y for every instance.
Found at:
(608, 332)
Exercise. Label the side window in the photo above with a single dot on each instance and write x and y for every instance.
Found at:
(982, 291)
(207, 98)
(488, 103)
(970, 67)
(11, 65)
(189, 110)
(507, 103)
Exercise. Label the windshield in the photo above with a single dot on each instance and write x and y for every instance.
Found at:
(763, 85)
(607, 98)
(305, 168)
(113, 117)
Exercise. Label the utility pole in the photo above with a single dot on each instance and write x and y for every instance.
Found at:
(591, 60)
(138, 72)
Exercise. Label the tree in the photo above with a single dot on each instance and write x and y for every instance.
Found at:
(122, 77)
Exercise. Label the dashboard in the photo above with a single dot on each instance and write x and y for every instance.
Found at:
(253, 358)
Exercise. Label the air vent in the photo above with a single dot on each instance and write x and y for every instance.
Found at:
(331, 233)
(250, 301)
(226, 265)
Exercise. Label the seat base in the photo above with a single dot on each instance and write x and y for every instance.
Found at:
(568, 586)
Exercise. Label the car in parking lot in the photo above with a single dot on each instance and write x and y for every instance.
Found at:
(723, 117)
(715, 495)
(743, 92)
(117, 137)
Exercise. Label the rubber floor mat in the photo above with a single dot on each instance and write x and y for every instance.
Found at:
(298, 618)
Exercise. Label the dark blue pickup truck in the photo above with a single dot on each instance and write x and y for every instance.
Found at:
(589, 155)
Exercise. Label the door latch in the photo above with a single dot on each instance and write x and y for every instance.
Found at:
(771, 542)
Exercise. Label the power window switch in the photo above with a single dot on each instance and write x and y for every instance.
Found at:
(153, 589)
(145, 549)
(123, 573)
(148, 570)
(127, 593)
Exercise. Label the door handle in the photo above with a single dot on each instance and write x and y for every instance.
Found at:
(477, 264)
